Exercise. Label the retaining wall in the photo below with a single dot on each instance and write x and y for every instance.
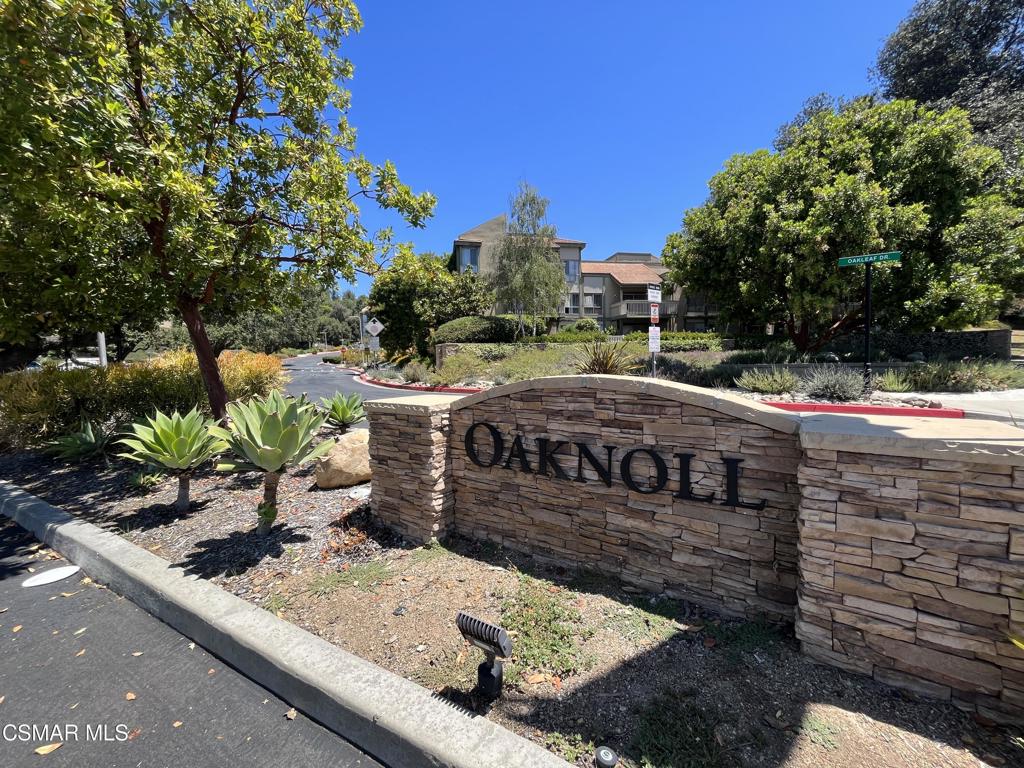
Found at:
(900, 538)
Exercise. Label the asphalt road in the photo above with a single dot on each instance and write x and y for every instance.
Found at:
(316, 380)
(127, 690)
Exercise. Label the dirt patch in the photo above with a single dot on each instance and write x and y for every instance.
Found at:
(662, 682)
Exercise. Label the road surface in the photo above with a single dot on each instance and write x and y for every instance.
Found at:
(316, 380)
(124, 689)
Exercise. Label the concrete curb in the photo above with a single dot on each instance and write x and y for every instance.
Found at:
(395, 720)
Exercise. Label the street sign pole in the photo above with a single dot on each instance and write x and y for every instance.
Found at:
(869, 259)
(867, 328)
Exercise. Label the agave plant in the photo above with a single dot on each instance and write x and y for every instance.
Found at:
(269, 434)
(90, 440)
(344, 410)
(609, 358)
(176, 443)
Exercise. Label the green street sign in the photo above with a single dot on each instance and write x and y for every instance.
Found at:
(870, 258)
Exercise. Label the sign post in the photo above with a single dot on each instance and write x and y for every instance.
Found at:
(654, 331)
(867, 260)
(374, 328)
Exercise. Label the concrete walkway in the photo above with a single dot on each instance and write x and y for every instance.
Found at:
(126, 689)
(1000, 406)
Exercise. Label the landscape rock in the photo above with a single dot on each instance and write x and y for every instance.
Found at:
(347, 463)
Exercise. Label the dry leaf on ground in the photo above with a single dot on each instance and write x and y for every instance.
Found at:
(48, 748)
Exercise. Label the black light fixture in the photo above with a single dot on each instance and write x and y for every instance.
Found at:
(496, 645)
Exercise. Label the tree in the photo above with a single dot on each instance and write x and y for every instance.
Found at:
(182, 149)
(345, 309)
(855, 179)
(416, 294)
(966, 53)
(530, 278)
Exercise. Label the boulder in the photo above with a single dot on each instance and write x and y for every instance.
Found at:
(347, 463)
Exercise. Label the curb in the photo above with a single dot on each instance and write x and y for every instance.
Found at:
(408, 388)
(392, 718)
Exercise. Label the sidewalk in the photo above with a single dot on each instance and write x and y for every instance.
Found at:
(1005, 406)
(137, 692)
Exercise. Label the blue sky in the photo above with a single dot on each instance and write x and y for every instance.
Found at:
(618, 113)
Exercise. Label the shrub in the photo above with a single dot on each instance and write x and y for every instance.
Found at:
(783, 352)
(415, 371)
(832, 382)
(601, 357)
(776, 381)
(91, 440)
(268, 435)
(893, 380)
(344, 410)
(683, 341)
(495, 352)
(533, 362)
(965, 376)
(475, 329)
(461, 368)
(585, 324)
(573, 337)
(698, 373)
(35, 405)
(179, 444)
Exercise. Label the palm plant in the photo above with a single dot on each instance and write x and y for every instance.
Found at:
(608, 358)
(268, 435)
(344, 410)
(90, 440)
(176, 443)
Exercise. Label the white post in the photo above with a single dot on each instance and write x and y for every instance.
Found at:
(101, 344)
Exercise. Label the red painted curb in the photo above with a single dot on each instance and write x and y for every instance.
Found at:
(408, 388)
(868, 410)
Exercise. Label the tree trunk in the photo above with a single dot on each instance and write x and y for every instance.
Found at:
(268, 509)
(181, 504)
(215, 391)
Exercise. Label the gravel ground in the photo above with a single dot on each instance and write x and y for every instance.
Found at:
(739, 694)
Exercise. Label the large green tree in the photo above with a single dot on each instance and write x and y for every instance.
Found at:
(529, 279)
(965, 53)
(179, 152)
(859, 178)
(417, 293)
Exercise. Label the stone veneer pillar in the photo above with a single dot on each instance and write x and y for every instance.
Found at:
(912, 555)
(411, 464)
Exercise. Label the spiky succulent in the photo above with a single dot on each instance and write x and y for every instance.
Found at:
(176, 443)
(269, 434)
(90, 440)
(344, 410)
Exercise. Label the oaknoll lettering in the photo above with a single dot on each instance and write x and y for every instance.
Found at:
(550, 463)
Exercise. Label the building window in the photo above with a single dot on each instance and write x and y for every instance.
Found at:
(469, 258)
(572, 304)
(633, 294)
(572, 271)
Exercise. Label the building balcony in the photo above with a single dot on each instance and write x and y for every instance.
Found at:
(640, 309)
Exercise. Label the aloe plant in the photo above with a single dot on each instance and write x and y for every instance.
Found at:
(90, 440)
(268, 435)
(176, 443)
(344, 410)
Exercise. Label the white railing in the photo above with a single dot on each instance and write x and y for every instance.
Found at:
(640, 308)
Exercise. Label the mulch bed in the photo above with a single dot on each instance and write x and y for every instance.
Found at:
(730, 693)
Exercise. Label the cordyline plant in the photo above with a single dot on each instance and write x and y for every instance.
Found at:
(176, 443)
(269, 434)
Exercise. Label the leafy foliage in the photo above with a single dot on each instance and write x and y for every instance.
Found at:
(673, 732)
(682, 341)
(344, 410)
(965, 376)
(859, 178)
(776, 381)
(832, 382)
(965, 53)
(616, 359)
(36, 405)
(893, 380)
(475, 329)
(573, 337)
(91, 440)
(529, 279)
(586, 324)
(269, 434)
(417, 294)
(172, 154)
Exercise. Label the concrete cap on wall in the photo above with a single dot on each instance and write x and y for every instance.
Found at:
(714, 400)
(425, 403)
(973, 440)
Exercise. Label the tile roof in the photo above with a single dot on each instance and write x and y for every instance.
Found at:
(624, 273)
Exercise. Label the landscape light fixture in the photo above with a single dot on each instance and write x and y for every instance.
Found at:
(495, 643)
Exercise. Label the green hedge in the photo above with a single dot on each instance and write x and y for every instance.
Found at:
(38, 405)
(571, 337)
(683, 341)
(475, 330)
